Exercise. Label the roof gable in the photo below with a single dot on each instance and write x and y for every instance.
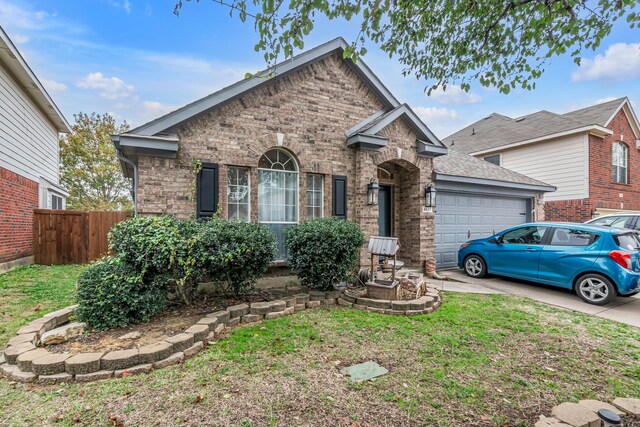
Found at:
(169, 122)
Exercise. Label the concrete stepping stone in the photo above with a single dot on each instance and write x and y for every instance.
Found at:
(550, 422)
(363, 371)
(576, 415)
(51, 364)
(25, 359)
(12, 352)
(154, 352)
(630, 406)
(180, 342)
(83, 363)
(119, 359)
(596, 405)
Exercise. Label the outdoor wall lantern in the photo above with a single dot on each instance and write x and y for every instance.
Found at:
(372, 192)
(429, 197)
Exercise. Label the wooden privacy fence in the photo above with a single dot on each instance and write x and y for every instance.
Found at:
(72, 237)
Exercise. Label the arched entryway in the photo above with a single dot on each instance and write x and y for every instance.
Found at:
(278, 189)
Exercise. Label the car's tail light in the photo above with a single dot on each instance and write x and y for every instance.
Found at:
(621, 257)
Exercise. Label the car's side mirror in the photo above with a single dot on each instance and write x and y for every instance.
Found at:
(499, 239)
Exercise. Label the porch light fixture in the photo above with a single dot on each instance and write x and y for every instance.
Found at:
(429, 197)
(372, 192)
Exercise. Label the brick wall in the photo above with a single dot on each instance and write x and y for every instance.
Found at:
(568, 210)
(312, 108)
(18, 199)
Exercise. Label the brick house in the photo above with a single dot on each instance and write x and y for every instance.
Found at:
(591, 155)
(30, 124)
(303, 144)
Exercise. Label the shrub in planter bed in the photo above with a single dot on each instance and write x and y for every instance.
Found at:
(112, 294)
(324, 251)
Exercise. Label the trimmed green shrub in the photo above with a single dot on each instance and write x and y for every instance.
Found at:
(324, 252)
(113, 294)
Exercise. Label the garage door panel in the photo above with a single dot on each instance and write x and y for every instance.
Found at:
(461, 217)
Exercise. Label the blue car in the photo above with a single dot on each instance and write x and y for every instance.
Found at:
(597, 262)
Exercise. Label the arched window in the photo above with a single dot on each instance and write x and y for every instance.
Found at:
(619, 162)
(278, 188)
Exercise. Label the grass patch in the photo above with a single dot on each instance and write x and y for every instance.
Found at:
(479, 360)
(29, 292)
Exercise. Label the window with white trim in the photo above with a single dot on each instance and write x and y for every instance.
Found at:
(57, 202)
(277, 188)
(315, 196)
(238, 193)
(620, 154)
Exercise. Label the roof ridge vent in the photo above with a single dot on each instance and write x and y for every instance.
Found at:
(519, 119)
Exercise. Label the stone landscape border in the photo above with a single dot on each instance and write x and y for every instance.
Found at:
(585, 412)
(23, 362)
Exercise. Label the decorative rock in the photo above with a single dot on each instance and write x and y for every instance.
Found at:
(302, 298)
(12, 353)
(550, 422)
(350, 298)
(316, 295)
(596, 405)
(219, 329)
(23, 377)
(374, 303)
(23, 338)
(131, 336)
(199, 332)
(417, 304)
(223, 316)
(344, 303)
(174, 359)
(194, 349)
(55, 378)
(154, 352)
(290, 301)
(313, 304)
(63, 333)
(251, 318)
(299, 307)
(134, 370)
(238, 310)
(630, 406)
(274, 315)
(25, 359)
(401, 305)
(94, 376)
(83, 363)
(119, 359)
(52, 363)
(575, 415)
(210, 322)
(180, 341)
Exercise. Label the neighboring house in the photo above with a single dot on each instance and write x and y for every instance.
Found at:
(303, 144)
(591, 155)
(30, 124)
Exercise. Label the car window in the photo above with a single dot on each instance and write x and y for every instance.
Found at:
(570, 237)
(526, 235)
(611, 221)
(629, 241)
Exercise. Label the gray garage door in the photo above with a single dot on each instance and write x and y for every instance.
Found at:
(461, 217)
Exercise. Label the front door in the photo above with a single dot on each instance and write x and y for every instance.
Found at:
(385, 211)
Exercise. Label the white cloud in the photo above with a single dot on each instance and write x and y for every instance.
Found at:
(127, 6)
(620, 61)
(432, 114)
(20, 38)
(53, 86)
(157, 109)
(455, 95)
(108, 87)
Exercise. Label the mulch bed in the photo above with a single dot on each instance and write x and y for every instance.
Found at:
(631, 421)
(170, 322)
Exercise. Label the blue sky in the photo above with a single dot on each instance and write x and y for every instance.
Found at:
(136, 60)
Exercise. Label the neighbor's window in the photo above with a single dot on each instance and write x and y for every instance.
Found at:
(56, 202)
(315, 196)
(238, 193)
(569, 237)
(493, 159)
(531, 235)
(619, 163)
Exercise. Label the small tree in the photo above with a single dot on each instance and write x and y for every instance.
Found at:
(89, 168)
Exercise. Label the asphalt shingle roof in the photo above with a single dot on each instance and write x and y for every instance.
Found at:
(457, 163)
(498, 130)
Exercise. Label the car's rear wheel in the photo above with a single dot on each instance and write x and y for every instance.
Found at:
(475, 266)
(595, 289)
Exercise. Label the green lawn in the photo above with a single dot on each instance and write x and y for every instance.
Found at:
(479, 360)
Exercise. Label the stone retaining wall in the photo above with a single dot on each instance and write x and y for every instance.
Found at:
(24, 362)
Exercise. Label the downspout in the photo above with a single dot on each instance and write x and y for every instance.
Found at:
(135, 179)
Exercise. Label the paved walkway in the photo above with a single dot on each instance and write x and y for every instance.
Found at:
(622, 309)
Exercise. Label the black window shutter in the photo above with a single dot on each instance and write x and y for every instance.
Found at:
(207, 190)
(339, 202)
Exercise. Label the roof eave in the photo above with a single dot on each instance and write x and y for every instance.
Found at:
(625, 105)
(133, 146)
(426, 149)
(371, 142)
(494, 183)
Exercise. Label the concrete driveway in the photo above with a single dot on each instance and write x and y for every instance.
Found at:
(623, 309)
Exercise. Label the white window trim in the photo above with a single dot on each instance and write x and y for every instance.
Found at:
(617, 166)
(229, 167)
(321, 191)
